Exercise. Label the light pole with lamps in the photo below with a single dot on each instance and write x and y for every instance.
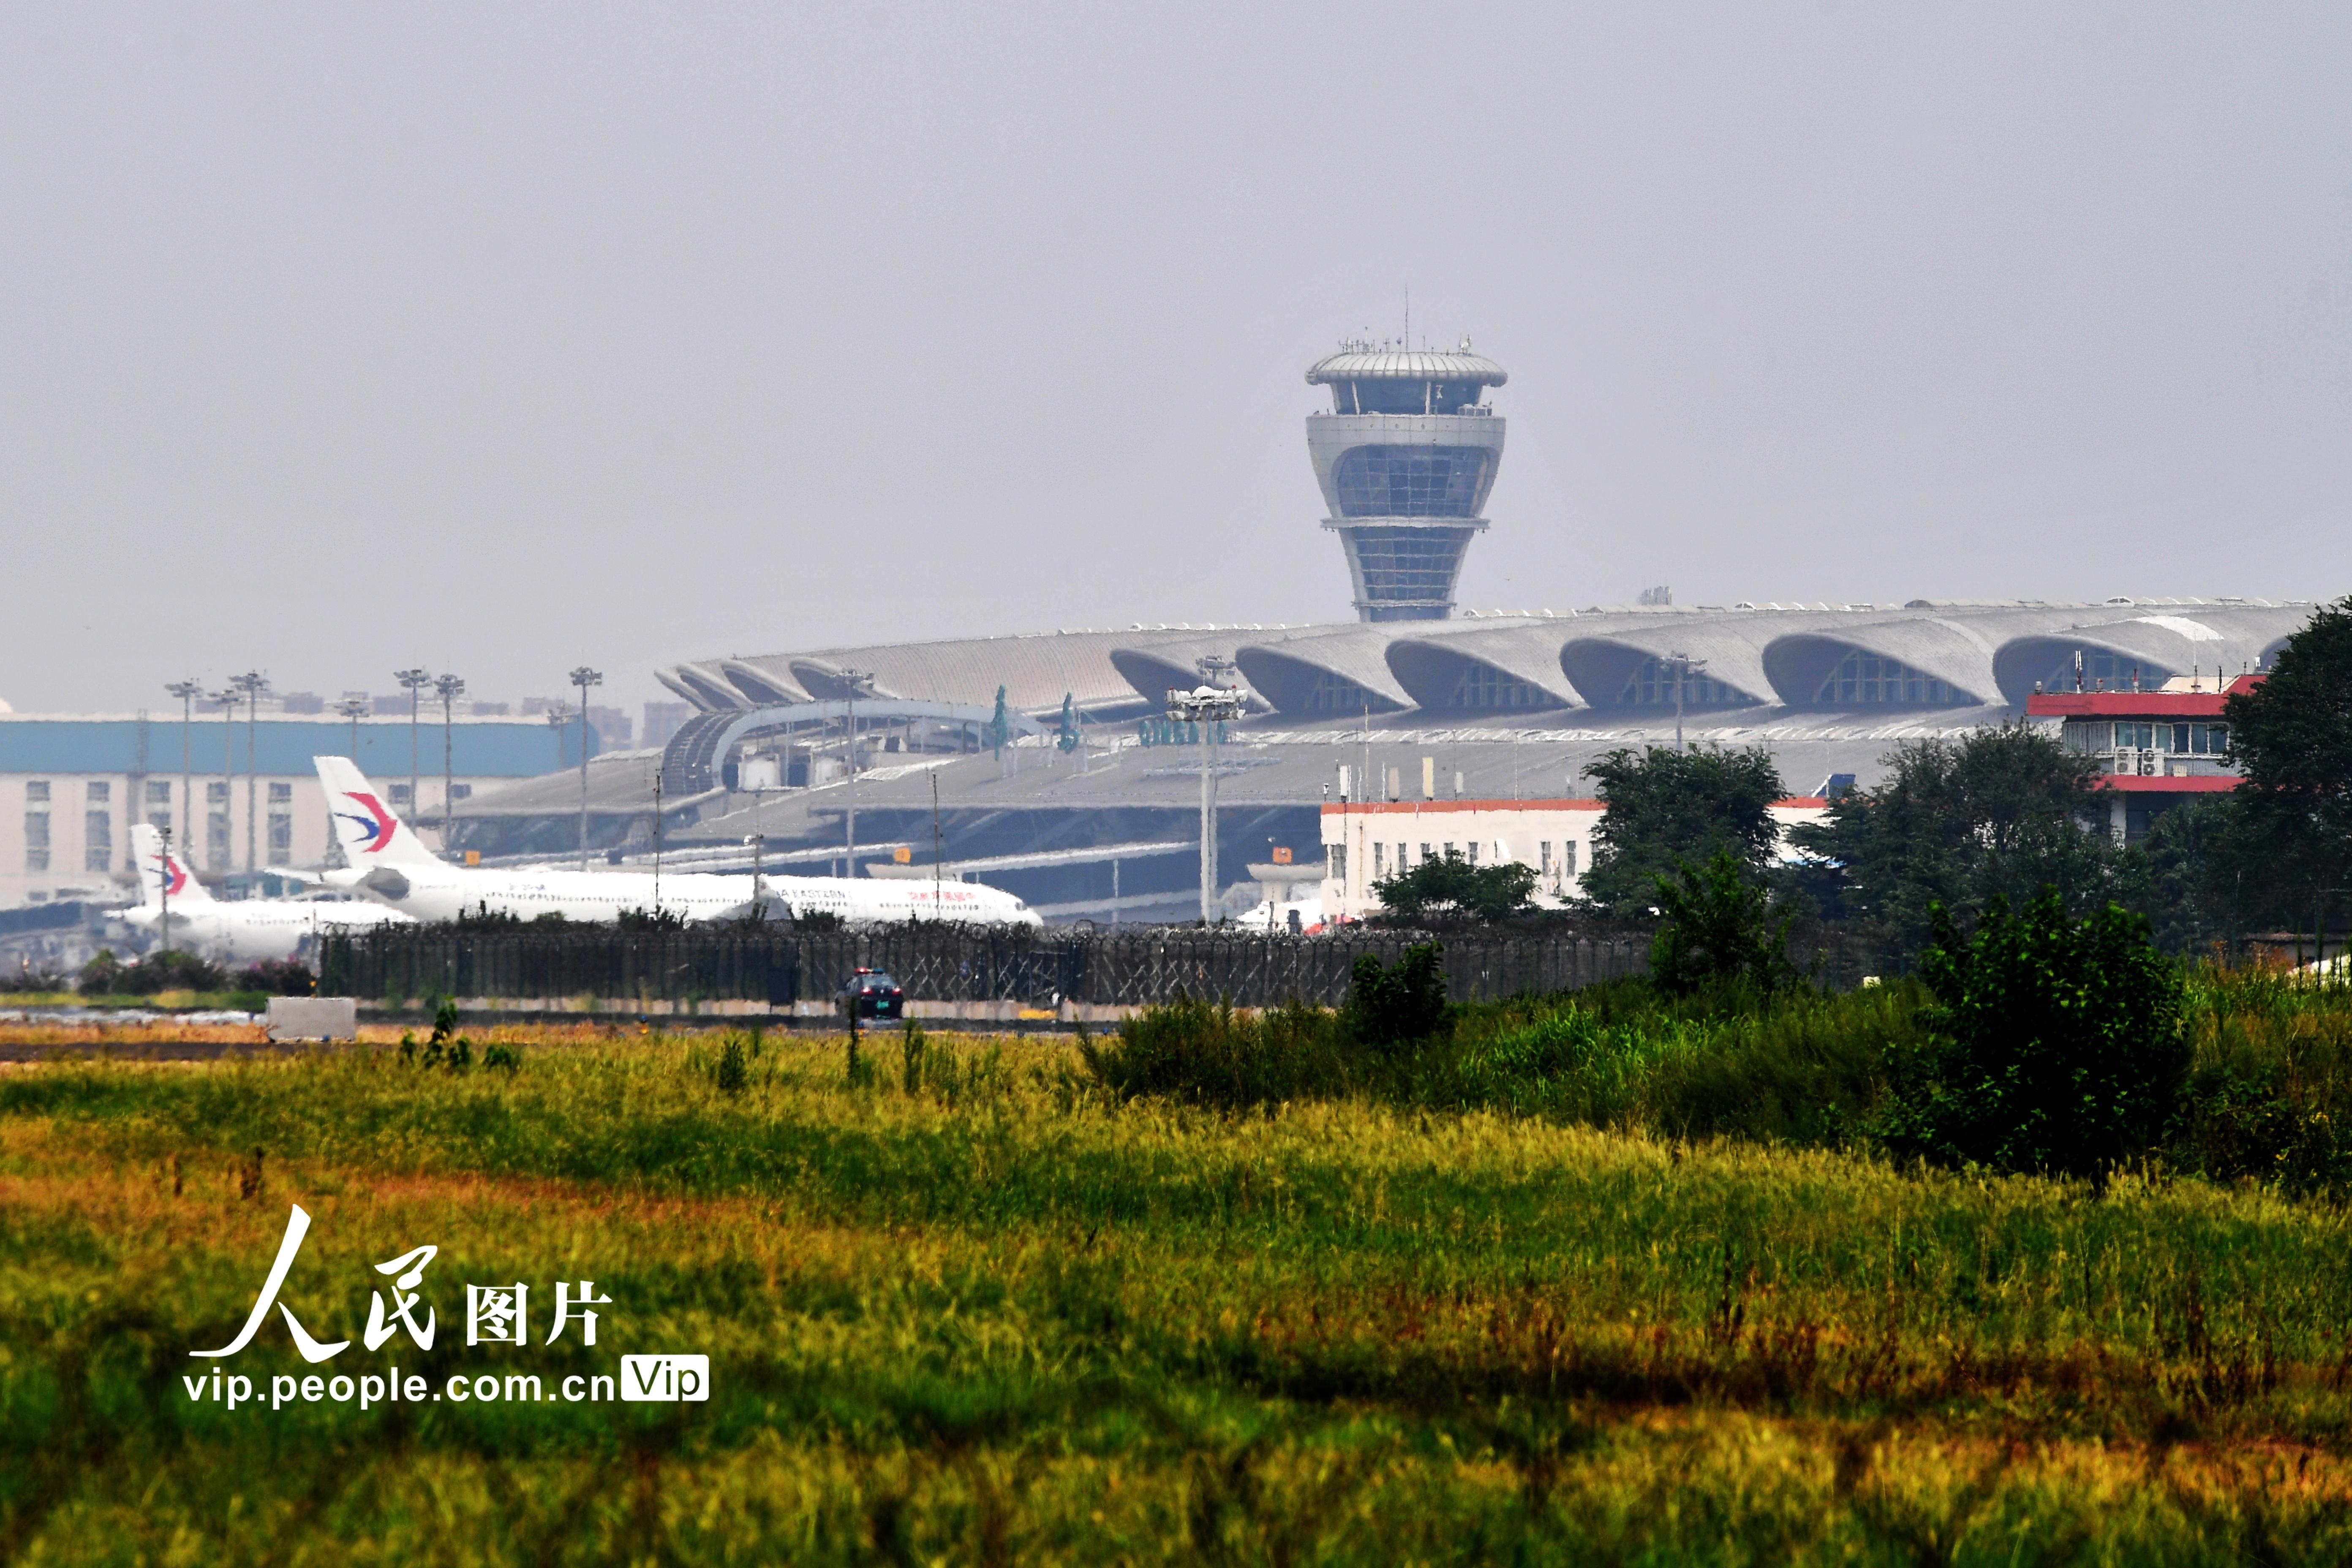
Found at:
(187, 692)
(584, 678)
(415, 681)
(227, 698)
(856, 683)
(1684, 667)
(350, 708)
(251, 685)
(451, 688)
(1206, 706)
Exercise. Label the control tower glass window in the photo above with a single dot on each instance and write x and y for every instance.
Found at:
(1410, 481)
(1862, 677)
(1413, 563)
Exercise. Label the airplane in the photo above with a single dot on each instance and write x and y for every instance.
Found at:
(390, 864)
(251, 929)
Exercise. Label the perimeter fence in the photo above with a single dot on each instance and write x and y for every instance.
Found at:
(943, 964)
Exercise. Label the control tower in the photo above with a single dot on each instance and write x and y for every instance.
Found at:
(1405, 458)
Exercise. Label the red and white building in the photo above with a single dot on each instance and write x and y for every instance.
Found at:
(2158, 749)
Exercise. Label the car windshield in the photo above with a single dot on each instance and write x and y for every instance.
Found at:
(877, 983)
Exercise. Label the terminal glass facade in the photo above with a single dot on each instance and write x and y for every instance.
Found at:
(1652, 685)
(1483, 686)
(1333, 694)
(1862, 679)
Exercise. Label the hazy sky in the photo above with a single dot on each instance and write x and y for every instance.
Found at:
(335, 339)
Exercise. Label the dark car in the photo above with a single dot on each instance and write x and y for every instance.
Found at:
(870, 993)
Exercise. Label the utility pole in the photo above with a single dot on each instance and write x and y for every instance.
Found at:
(227, 698)
(1206, 706)
(252, 684)
(938, 849)
(856, 682)
(657, 838)
(187, 692)
(451, 688)
(584, 678)
(417, 680)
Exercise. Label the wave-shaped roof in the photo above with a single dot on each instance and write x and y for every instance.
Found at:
(1360, 361)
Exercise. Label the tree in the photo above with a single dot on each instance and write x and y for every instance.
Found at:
(2292, 733)
(2004, 812)
(1453, 886)
(1720, 925)
(1668, 807)
(2053, 1047)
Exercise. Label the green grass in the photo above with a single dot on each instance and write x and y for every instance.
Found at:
(1007, 1318)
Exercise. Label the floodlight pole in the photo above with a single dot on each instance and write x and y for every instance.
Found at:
(584, 678)
(251, 684)
(1206, 706)
(187, 692)
(415, 681)
(227, 698)
(350, 708)
(1684, 664)
(451, 688)
(855, 682)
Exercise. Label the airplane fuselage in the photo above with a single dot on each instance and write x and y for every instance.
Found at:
(259, 929)
(433, 893)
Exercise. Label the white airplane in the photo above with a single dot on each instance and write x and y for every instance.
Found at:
(391, 864)
(251, 929)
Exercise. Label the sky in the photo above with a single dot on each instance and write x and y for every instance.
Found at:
(496, 340)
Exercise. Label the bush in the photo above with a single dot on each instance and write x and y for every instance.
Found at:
(277, 977)
(1210, 1055)
(28, 979)
(2053, 1047)
(175, 969)
(734, 1071)
(1387, 1005)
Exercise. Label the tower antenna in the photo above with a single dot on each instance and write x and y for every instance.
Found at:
(1408, 318)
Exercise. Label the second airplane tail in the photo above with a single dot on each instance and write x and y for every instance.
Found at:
(160, 868)
(369, 831)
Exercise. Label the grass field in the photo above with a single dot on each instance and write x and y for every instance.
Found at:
(992, 1315)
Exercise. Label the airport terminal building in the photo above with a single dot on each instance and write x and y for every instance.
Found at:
(1097, 815)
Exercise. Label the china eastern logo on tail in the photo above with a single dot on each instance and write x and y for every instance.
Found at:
(378, 823)
(174, 877)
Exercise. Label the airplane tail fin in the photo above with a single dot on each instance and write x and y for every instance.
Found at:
(365, 825)
(158, 867)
